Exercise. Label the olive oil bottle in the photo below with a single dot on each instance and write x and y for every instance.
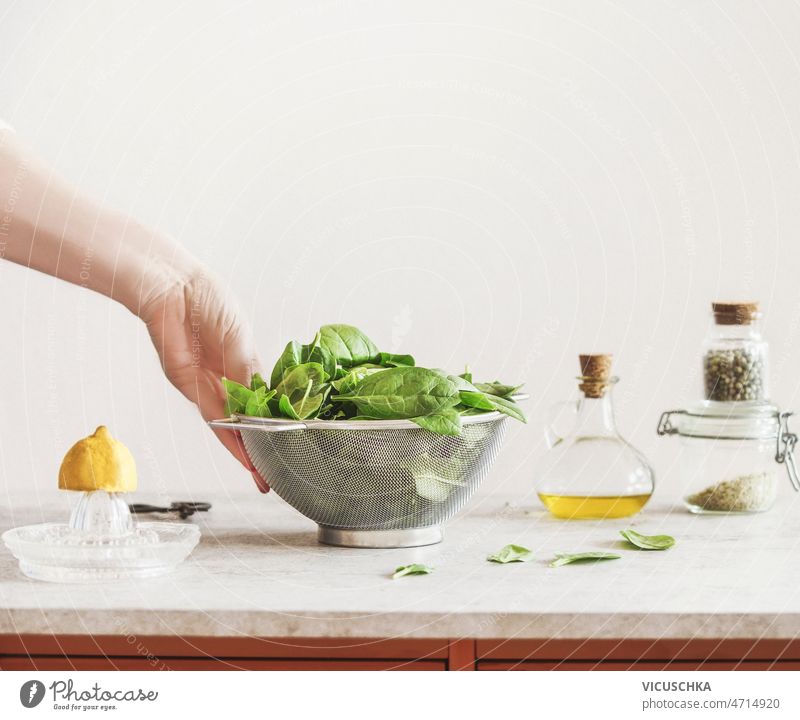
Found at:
(594, 472)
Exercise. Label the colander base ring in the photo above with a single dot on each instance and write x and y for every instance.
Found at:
(380, 539)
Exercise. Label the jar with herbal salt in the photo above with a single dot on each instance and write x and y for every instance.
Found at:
(730, 455)
(735, 355)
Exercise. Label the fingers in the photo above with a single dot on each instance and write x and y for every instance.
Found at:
(240, 364)
(261, 484)
(212, 407)
(232, 439)
(238, 354)
(235, 446)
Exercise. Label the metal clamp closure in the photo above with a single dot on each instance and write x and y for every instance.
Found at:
(665, 427)
(784, 450)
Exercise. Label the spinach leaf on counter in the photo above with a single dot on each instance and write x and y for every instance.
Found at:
(413, 569)
(511, 553)
(648, 542)
(567, 558)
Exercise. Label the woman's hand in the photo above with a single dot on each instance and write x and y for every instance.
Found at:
(200, 337)
(52, 227)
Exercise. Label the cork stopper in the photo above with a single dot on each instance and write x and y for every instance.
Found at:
(595, 375)
(730, 313)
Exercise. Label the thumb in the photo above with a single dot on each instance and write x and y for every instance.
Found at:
(212, 407)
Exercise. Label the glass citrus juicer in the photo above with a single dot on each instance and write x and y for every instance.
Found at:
(101, 541)
(593, 472)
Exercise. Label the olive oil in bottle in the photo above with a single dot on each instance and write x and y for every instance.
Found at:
(575, 507)
(593, 472)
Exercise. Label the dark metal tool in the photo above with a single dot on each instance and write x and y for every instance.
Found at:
(184, 509)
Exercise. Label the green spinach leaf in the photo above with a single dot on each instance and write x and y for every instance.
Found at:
(237, 396)
(257, 381)
(444, 422)
(648, 542)
(462, 384)
(296, 379)
(296, 354)
(413, 569)
(287, 409)
(508, 407)
(402, 392)
(311, 403)
(394, 360)
(511, 553)
(465, 411)
(471, 396)
(434, 487)
(477, 400)
(348, 345)
(567, 558)
(258, 403)
(498, 389)
(350, 380)
(436, 479)
(305, 388)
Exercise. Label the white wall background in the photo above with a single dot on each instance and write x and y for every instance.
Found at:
(501, 183)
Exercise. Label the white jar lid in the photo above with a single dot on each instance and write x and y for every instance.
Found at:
(723, 421)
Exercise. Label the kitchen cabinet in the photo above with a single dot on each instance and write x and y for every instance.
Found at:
(80, 652)
(638, 655)
(77, 652)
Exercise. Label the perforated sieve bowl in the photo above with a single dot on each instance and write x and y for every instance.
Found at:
(372, 483)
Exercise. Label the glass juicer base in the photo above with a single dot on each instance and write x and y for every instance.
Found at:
(100, 543)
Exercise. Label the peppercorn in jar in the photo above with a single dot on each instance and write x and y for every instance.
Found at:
(735, 355)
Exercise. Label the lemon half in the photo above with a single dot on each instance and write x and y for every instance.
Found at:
(98, 462)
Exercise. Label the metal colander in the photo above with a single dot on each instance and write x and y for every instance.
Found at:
(372, 483)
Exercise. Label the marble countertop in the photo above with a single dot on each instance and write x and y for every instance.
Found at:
(259, 571)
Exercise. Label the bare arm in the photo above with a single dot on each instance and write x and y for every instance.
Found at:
(48, 225)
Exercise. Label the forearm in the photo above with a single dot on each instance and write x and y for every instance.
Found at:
(48, 225)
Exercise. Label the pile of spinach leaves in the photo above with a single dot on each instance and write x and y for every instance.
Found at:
(341, 375)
